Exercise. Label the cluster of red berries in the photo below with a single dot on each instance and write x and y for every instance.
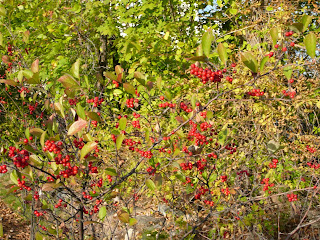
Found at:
(315, 166)
(136, 115)
(70, 171)
(210, 203)
(9, 49)
(3, 169)
(51, 146)
(32, 108)
(96, 207)
(130, 102)
(201, 164)
(136, 124)
(225, 191)
(59, 204)
(266, 186)
(78, 143)
(36, 195)
(43, 227)
(188, 180)
(114, 138)
(152, 170)
(292, 197)
(229, 79)
(86, 196)
(65, 161)
(288, 34)
(39, 214)
(212, 155)
(206, 75)
(98, 184)
(50, 179)
(224, 178)
(201, 192)
(92, 169)
(203, 114)
(116, 84)
(255, 93)
(23, 89)
(290, 94)
(185, 108)
(94, 123)
(96, 101)
(205, 126)
(164, 150)
(130, 142)
(311, 149)
(274, 163)
(22, 184)
(20, 158)
(73, 101)
(2, 99)
(194, 134)
(166, 104)
(186, 166)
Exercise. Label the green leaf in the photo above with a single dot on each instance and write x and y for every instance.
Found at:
(273, 146)
(27, 132)
(180, 177)
(102, 212)
(27, 74)
(206, 42)
(233, 11)
(297, 27)
(75, 69)
(111, 172)
(35, 79)
(110, 76)
(93, 116)
(80, 111)
(77, 126)
(287, 71)
(222, 51)
(123, 216)
(274, 32)
(1, 39)
(150, 184)
(168, 95)
(42, 138)
(39, 236)
(132, 221)
(3, 11)
(140, 78)
(122, 123)
(306, 20)
(248, 59)
(119, 140)
(310, 41)
(222, 136)
(129, 88)
(87, 148)
(193, 100)
(263, 62)
(14, 177)
(68, 81)
(198, 58)
(1, 229)
(35, 160)
(36, 131)
(9, 82)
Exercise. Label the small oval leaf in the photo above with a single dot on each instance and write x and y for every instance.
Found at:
(77, 126)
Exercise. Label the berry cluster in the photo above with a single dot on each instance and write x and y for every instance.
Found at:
(22, 184)
(152, 170)
(136, 115)
(65, 161)
(94, 123)
(59, 204)
(205, 126)
(201, 164)
(70, 171)
(206, 75)
(255, 93)
(116, 84)
(166, 104)
(224, 178)
(212, 155)
(310, 149)
(130, 102)
(3, 169)
(92, 169)
(136, 124)
(266, 186)
(201, 192)
(39, 214)
(186, 166)
(241, 172)
(23, 89)
(114, 138)
(203, 114)
(96, 101)
(51, 146)
(229, 79)
(50, 179)
(20, 158)
(43, 227)
(292, 197)
(188, 180)
(288, 34)
(225, 191)
(36, 195)
(185, 108)
(290, 94)
(32, 108)
(73, 101)
(210, 203)
(274, 163)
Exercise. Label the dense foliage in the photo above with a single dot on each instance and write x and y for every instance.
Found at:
(206, 114)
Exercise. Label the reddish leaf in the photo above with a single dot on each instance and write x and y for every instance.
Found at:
(68, 81)
(77, 126)
(35, 66)
(9, 82)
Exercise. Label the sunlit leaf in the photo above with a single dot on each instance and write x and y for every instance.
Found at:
(310, 41)
(77, 126)
(87, 148)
